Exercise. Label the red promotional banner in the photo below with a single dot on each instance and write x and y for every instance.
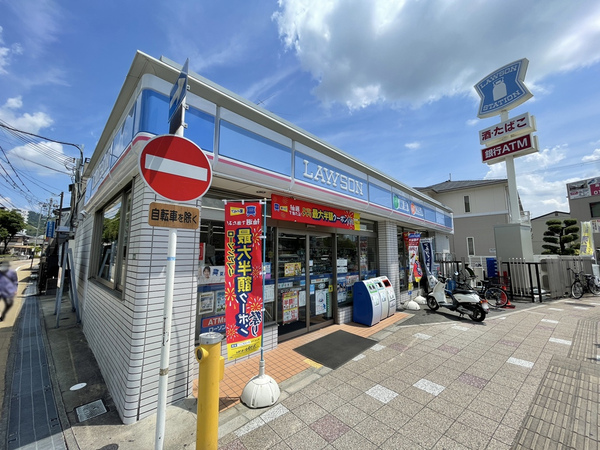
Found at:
(414, 269)
(292, 210)
(243, 278)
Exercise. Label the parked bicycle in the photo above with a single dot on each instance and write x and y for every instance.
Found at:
(495, 295)
(583, 283)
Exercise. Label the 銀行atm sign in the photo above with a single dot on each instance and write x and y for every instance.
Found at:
(520, 146)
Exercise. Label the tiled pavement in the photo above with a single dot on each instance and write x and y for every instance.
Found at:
(524, 379)
(527, 378)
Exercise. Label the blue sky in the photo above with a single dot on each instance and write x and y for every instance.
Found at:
(389, 82)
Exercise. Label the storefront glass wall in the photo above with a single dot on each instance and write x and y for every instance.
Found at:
(404, 256)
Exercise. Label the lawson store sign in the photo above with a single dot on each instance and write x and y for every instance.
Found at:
(328, 177)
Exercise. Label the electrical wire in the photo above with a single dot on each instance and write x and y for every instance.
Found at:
(15, 177)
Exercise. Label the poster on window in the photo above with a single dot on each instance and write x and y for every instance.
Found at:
(289, 306)
(207, 302)
(321, 301)
(269, 295)
(411, 241)
(243, 278)
(220, 302)
(211, 274)
(292, 269)
(341, 290)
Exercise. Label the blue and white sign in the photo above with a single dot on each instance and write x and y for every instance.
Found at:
(50, 227)
(503, 89)
(178, 91)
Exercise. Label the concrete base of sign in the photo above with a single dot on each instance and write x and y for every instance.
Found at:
(421, 300)
(412, 305)
(261, 391)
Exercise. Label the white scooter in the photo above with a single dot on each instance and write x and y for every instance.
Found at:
(464, 301)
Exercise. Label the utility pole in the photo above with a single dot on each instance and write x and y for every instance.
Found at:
(37, 233)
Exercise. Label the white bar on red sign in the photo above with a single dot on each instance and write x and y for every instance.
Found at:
(513, 127)
(176, 168)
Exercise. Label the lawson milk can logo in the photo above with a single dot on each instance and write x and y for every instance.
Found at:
(503, 89)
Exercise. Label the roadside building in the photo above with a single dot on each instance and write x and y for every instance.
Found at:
(584, 205)
(478, 206)
(539, 227)
(119, 259)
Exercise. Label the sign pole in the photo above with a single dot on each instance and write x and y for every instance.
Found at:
(163, 374)
(513, 196)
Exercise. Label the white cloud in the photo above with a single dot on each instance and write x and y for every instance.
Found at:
(5, 54)
(593, 157)
(541, 180)
(367, 52)
(42, 23)
(412, 145)
(32, 123)
(44, 158)
(545, 158)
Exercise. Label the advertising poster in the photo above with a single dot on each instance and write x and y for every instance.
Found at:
(207, 302)
(292, 269)
(341, 290)
(243, 278)
(289, 306)
(293, 210)
(411, 241)
(321, 301)
(220, 296)
(211, 274)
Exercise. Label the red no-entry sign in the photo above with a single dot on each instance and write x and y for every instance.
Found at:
(175, 168)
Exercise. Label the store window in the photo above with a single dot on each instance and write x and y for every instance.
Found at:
(348, 265)
(595, 209)
(404, 254)
(112, 241)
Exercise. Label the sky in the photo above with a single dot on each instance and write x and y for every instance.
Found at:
(389, 82)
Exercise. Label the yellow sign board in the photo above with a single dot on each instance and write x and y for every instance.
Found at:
(173, 216)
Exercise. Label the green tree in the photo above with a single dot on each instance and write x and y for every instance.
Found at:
(561, 237)
(11, 222)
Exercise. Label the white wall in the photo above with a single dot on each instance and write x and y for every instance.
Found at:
(126, 334)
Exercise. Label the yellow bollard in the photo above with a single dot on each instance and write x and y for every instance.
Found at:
(212, 369)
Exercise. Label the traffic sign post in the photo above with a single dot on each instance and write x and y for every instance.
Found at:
(177, 169)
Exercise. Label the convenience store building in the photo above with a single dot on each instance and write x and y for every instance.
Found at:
(332, 220)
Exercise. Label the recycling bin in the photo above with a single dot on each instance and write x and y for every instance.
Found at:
(385, 304)
(391, 295)
(367, 303)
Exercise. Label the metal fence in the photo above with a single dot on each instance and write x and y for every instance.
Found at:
(546, 278)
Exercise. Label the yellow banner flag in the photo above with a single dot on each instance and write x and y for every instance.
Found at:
(587, 240)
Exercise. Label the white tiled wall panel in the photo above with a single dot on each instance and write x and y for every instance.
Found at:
(388, 253)
(125, 330)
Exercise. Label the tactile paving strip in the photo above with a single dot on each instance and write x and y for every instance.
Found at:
(33, 421)
(565, 408)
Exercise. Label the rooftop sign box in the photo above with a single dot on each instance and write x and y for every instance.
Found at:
(503, 89)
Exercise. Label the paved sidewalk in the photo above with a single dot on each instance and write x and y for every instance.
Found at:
(524, 378)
